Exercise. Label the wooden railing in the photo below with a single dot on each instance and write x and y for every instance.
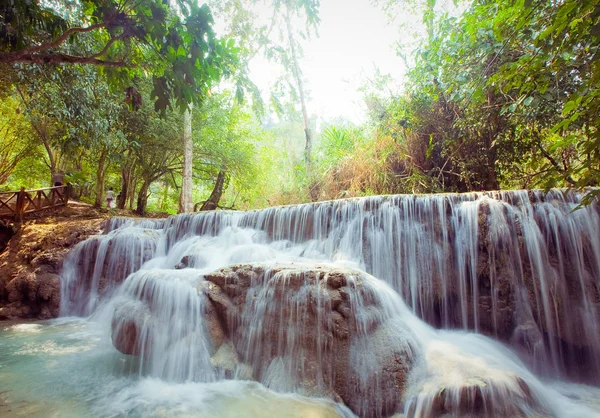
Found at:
(17, 204)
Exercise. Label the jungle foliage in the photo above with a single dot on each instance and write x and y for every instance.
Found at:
(498, 95)
(506, 95)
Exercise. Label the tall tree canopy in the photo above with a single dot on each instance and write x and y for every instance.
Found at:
(176, 45)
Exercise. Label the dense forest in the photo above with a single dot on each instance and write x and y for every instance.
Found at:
(150, 99)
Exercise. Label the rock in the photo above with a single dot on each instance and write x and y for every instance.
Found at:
(48, 287)
(225, 359)
(130, 327)
(215, 327)
(48, 295)
(185, 262)
(288, 328)
(33, 258)
(15, 310)
(306, 328)
(6, 233)
(40, 292)
(49, 262)
(455, 383)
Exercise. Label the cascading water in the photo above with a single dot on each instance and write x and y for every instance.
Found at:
(520, 267)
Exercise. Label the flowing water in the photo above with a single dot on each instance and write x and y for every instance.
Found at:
(521, 267)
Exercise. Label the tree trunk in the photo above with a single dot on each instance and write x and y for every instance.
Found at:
(132, 187)
(300, 87)
(185, 200)
(100, 171)
(122, 200)
(52, 163)
(213, 201)
(126, 180)
(142, 200)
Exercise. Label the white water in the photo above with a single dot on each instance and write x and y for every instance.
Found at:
(420, 246)
(68, 368)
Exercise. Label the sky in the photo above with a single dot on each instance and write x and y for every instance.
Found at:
(354, 39)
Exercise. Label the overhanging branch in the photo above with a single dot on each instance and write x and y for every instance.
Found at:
(62, 38)
(53, 58)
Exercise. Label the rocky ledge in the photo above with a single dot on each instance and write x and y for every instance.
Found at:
(32, 259)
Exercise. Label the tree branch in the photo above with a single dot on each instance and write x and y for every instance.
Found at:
(555, 164)
(108, 45)
(50, 58)
(61, 38)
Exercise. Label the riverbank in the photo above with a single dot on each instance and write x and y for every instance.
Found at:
(32, 259)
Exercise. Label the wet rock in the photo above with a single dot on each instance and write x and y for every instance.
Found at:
(15, 310)
(216, 329)
(306, 328)
(129, 327)
(48, 295)
(458, 384)
(226, 360)
(185, 262)
(48, 287)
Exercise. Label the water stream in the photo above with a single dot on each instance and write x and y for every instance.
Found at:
(498, 293)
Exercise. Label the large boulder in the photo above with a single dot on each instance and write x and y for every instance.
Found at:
(452, 382)
(130, 327)
(315, 329)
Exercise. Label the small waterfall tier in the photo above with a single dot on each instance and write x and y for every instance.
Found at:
(428, 305)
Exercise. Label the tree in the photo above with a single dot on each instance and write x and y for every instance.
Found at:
(505, 96)
(226, 138)
(185, 201)
(289, 57)
(298, 79)
(554, 83)
(126, 39)
(71, 109)
(153, 149)
(15, 137)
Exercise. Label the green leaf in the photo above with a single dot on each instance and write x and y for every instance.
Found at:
(569, 106)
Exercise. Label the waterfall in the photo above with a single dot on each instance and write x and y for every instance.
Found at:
(520, 267)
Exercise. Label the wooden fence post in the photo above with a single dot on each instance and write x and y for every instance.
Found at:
(20, 209)
(67, 193)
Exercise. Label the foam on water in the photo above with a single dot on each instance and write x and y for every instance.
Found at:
(33, 328)
(71, 382)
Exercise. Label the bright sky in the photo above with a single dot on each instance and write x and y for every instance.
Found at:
(354, 39)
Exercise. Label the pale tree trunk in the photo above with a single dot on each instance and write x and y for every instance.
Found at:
(300, 87)
(100, 171)
(185, 199)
